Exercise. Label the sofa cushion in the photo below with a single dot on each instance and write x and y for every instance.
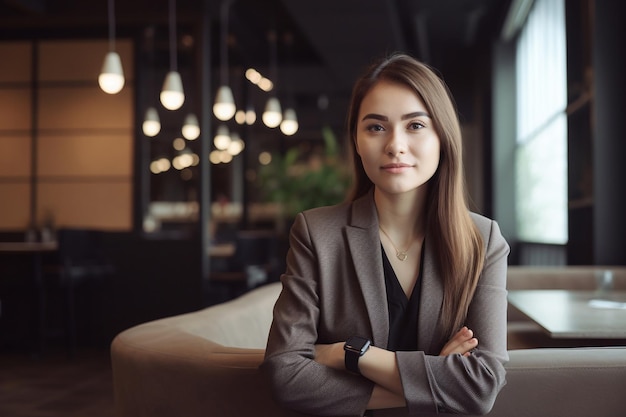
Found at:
(563, 382)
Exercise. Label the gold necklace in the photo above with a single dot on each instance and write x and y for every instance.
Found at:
(401, 255)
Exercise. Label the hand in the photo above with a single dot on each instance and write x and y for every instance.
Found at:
(330, 355)
(462, 342)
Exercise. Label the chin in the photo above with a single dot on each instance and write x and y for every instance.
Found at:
(397, 190)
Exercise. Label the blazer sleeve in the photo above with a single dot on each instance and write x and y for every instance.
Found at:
(458, 384)
(297, 381)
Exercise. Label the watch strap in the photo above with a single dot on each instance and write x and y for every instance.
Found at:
(354, 348)
(352, 362)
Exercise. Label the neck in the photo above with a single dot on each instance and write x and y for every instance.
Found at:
(402, 215)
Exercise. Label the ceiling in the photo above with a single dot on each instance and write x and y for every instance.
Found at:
(322, 45)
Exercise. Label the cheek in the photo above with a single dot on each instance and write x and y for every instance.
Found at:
(361, 148)
(430, 155)
(437, 152)
(430, 149)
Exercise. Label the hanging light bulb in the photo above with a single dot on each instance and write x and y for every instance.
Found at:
(240, 117)
(111, 78)
(191, 128)
(224, 107)
(151, 123)
(250, 115)
(236, 145)
(272, 116)
(222, 138)
(289, 125)
(172, 94)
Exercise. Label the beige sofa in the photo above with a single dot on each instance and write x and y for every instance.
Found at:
(205, 363)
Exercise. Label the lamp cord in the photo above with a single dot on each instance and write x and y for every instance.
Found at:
(224, 43)
(173, 51)
(111, 10)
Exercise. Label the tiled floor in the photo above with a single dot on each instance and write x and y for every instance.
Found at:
(56, 386)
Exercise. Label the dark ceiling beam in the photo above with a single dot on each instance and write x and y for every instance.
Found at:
(27, 6)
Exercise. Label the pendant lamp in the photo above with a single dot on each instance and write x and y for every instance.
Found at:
(151, 124)
(172, 94)
(289, 125)
(222, 138)
(191, 128)
(273, 115)
(111, 78)
(224, 107)
(250, 115)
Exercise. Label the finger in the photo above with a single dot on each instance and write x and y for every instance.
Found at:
(461, 342)
(468, 346)
(470, 350)
(462, 336)
(462, 348)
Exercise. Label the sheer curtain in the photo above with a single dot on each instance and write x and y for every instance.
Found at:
(541, 156)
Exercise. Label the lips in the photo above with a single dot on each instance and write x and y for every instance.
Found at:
(396, 165)
(396, 168)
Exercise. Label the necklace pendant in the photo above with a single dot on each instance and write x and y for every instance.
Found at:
(401, 255)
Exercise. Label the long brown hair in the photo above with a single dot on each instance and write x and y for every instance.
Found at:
(450, 230)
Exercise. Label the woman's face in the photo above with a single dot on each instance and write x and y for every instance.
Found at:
(396, 139)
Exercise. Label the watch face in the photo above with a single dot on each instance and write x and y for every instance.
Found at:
(357, 344)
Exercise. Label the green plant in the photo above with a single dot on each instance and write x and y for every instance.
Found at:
(299, 183)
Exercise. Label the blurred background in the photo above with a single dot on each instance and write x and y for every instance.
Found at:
(119, 205)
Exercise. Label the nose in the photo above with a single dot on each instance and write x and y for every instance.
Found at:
(396, 144)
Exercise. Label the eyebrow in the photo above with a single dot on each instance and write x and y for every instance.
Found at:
(403, 117)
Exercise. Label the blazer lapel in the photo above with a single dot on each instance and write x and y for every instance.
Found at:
(364, 245)
(431, 299)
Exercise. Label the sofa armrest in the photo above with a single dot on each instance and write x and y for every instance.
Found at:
(160, 371)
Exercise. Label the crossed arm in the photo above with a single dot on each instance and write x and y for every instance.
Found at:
(380, 366)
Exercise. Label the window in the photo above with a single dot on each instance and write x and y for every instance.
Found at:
(541, 155)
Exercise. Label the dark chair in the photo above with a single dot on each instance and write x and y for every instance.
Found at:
(253, 264)
(82, 263)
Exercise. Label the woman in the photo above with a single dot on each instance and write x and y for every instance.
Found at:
(395, 299)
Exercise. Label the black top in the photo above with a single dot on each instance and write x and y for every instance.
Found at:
(403, 311)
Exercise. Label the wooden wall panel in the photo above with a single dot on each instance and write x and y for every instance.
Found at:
(14, 205)
(15, 108)
(97, 154)
(80, 60)
(84, 138)
(15, 156)
(101, 205)
(16, 62)
(66, 108)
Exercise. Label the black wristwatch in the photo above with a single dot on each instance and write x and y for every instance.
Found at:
(355, 347)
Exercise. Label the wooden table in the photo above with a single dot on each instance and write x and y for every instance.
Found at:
(28, 247)
(222, 250)
(574, 314)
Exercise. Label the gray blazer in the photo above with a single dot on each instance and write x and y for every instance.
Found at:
(334, 288)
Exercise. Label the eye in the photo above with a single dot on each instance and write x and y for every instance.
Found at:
(375, 128)
(416, 125)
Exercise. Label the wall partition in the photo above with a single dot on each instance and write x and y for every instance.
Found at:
(66, 147)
